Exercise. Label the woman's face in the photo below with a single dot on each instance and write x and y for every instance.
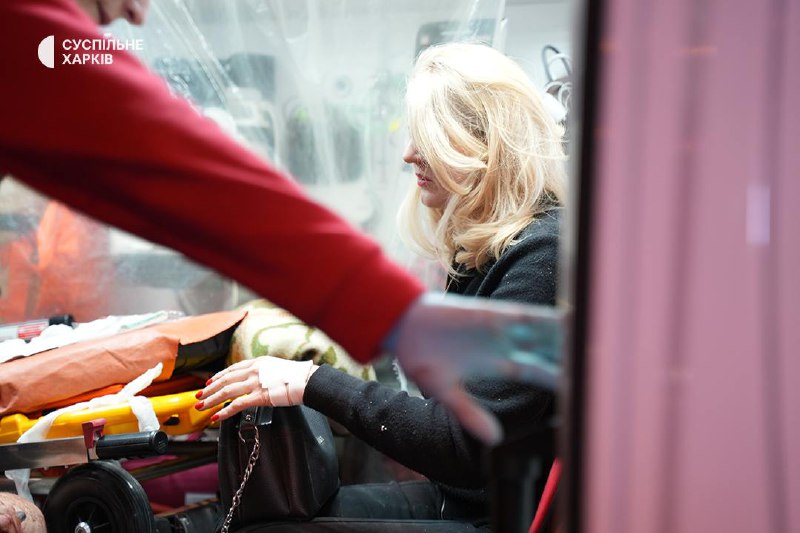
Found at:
(431, 192)
(107, 11)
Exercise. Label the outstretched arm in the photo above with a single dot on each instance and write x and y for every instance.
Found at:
(113, 142)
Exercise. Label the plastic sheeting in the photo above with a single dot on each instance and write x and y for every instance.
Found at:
(316, 86)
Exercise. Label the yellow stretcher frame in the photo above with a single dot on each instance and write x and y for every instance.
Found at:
(175, 412)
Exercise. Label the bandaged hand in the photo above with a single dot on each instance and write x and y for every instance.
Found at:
(264, 381)
(444, 338)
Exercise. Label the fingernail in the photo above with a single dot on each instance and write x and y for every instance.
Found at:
(214, 417)
(199, 394)
(208, 382)
(198, 405)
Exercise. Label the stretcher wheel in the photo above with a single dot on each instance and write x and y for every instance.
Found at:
(98, 497)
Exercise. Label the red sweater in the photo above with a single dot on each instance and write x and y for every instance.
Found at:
(110, 140)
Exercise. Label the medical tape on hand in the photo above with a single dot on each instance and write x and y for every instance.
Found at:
(284, 380)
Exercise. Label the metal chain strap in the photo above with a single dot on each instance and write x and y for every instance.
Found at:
(251, 463)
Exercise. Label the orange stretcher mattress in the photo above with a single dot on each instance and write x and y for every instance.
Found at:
(175, 413)
(177, 384)
(33, 383)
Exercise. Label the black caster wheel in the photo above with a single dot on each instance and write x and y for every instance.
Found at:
(98, 497)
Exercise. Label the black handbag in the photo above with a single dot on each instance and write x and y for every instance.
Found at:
(275, 464)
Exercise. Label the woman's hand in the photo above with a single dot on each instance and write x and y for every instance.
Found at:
(266, 380)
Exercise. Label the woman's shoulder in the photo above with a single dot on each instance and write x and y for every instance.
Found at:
(546, 227)
(536, 244)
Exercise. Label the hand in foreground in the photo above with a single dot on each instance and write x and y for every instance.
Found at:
(18, 515)
(9, 521)
(443, 338)
(263, 381)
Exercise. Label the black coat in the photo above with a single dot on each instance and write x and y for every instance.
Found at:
(420, 433)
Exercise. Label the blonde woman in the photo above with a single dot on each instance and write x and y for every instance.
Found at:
(490, 174)
(486, 202)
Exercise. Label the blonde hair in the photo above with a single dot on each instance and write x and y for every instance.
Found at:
(479, 124)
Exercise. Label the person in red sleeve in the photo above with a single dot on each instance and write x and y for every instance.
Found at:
(110, 140)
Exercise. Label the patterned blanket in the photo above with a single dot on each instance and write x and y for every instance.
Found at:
(271, 330)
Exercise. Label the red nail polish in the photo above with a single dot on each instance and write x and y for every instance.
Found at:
(199, 394)
(208, 382)
(198, 405)
(214, 417)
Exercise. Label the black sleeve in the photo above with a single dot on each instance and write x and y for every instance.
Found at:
(417, 432)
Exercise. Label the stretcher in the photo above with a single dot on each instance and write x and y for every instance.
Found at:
(96, 491)
(83, 478)
(175, 412)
